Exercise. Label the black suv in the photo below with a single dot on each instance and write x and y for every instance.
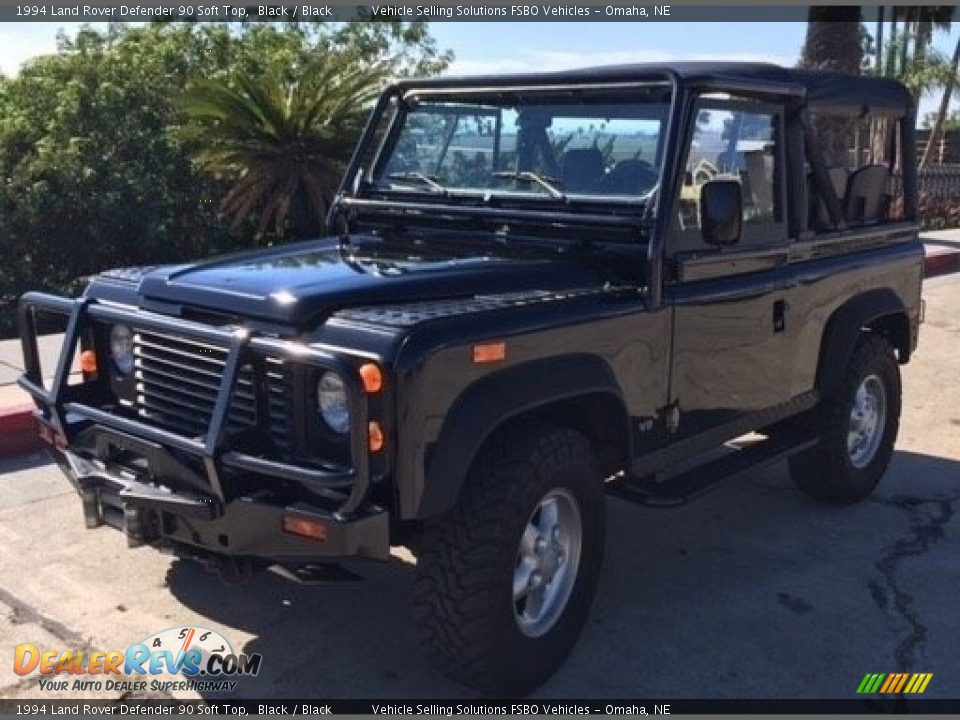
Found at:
(538, 289)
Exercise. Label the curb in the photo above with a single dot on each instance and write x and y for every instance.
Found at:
(941, 263)
(18, 431)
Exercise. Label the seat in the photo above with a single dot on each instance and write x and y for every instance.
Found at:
(867, 197)
(581, 169)
(819, 215)
(758, 187)
(629, 177)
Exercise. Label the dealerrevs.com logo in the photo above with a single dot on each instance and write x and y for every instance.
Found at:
(203, 659)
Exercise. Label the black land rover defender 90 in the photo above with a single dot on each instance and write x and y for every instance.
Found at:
(539, 289)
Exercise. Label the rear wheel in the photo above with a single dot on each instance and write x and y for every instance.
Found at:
(504, 581)
(858, 428)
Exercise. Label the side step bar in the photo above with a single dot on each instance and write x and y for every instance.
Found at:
(681, 488)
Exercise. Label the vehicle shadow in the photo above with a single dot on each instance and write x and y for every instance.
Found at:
(30, 461)
(331, 640)
(745, 592)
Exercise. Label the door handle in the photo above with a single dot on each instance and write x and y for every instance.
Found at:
(779, 315)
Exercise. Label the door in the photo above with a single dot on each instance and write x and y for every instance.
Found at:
(731, 349)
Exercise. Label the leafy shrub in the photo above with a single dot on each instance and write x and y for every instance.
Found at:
(96, 166)
(938, 211)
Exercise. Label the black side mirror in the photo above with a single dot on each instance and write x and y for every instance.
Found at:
(721, 212)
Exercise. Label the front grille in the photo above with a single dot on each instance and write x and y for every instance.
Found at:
(177, 381)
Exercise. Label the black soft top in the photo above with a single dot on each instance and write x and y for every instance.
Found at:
(823, 90)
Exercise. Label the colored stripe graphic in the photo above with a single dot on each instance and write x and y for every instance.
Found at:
(871, 683)
(894, 683)
(913, 681)
(903, 681)
(918, 683)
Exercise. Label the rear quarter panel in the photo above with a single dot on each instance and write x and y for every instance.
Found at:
(828, 275)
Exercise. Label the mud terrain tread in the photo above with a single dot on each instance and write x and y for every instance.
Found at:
(455, 585)
(824, 472)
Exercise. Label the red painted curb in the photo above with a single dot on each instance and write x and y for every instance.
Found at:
(18, 431)
(941, 263)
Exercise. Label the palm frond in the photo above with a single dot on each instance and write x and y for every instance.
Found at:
(284, 142)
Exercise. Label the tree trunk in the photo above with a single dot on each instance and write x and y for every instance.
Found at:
(942, 112)
(891, 70)
(878, 64)
(905, 45)
(833, 43)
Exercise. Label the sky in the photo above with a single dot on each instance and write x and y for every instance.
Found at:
(512, 47)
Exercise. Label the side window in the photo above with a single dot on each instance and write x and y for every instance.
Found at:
(738, 142)
(860, 156)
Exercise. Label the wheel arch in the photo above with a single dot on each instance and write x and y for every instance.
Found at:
(880, 311)
(575, 391)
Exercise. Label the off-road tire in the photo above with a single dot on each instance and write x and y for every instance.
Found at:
(466, 560)
(825, 472)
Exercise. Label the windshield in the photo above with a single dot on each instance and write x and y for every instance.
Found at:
(582, 144)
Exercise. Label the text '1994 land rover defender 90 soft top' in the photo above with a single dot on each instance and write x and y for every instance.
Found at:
(537, 289)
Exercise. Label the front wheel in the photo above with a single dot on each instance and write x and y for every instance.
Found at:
(504, 581)
(858, 428)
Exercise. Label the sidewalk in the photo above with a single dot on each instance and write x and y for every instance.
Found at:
(18, 435)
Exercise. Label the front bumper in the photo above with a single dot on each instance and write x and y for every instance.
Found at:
(245, 528)
(182, 492)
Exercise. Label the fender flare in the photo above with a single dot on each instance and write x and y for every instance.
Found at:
(844, 327)
(495, 399)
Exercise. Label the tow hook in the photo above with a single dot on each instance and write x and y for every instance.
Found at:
(141, 526)
(90, 501)
(230, 570)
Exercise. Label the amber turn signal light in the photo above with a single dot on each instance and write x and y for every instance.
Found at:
(489, 352)
(377, 439)
(88, 362)
(304, 527)
(372, 377)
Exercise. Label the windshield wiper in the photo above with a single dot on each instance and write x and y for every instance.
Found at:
(419, 176)
(541, 180)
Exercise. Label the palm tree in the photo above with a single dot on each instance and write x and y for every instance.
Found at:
(878, 64)
(922, 71)
(833, 39)
(284, 143)
(944, 109)
(928, 19)
(833, 43)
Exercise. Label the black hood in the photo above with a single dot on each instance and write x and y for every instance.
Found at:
(302, 283)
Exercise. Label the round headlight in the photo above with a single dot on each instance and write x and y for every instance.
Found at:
(121, 348)
(332, 401)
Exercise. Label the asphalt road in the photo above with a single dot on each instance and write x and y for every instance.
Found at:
(752, 591)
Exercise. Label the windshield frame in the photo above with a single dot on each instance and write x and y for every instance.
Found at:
(365, 184)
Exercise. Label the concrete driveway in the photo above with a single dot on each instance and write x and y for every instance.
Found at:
(750, 592)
